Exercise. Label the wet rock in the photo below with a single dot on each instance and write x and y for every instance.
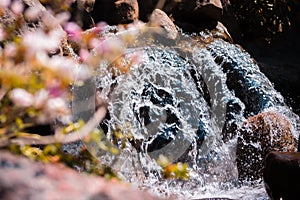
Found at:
(218, 198)
(21, 178)
(80, 14)
(161, 19)
(200, 14)
(244, 78)
(282, 175)
(261, 134)
(191, 15)
(115, 11)
(146, 7)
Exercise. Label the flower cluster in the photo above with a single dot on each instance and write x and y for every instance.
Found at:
(35, 74)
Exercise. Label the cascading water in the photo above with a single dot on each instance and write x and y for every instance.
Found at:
(184, 103)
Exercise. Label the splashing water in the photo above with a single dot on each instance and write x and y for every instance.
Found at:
(179, 102)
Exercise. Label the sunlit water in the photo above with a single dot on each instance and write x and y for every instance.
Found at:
(177, 103)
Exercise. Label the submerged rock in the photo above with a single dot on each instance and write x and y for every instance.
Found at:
(261, 134)
(21, 178)
(282, 175)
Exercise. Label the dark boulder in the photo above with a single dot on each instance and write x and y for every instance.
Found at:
(259, 135)
(146, 7)
(115, 11)
(196, 15)
(191, 15)
(282, 175)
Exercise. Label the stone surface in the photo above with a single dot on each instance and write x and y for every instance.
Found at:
(278, 59)
(146, 7)
(261, 134)
(282, 175)
(161, 19)
(191, 15)
(115, 11)
(21, 178)
(200, 14)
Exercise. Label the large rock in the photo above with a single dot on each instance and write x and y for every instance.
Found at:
(115, 11)
(282, 175)
(21, 178)
(201, 14)
(146, 7)
(191, 15)
(261, 134)
(160, 18)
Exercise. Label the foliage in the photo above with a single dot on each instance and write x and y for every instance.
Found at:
(264, 17)
(37, 72)
(40, 51)
(173, 170)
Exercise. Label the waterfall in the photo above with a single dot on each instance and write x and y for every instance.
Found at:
(184, 100)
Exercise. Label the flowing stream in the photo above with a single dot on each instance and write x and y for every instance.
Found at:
(185, 101)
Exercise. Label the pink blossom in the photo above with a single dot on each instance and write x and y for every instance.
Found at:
(94, 42)
(67, 68)
(62, 18)
(40, 98)
(56, 106)
(17, 7)
(10, 50)
(2, 34)
(110, 48)
(73, 30)
(32, 13)
(54, 89)
(4, 3)
(21, 97)
(99, 27)
(38, 41)
(84, 54)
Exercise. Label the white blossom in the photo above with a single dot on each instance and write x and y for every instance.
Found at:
(4, 3)
(21, 97)
(17, 7)
(32, 13)
(56, 106)
(2, 34)
(40, 98)
(38, 41)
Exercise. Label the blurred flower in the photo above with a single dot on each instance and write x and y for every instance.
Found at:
(2, 34)
(21, 97)
(38, 41)
(62, 18)
(66, 67)
(17, 7)
(40, 98)
(32, 13)
(99, 27)
(74, 31)
(56, 106)
(10, 50)
(110, 48)
(55, 89)
(84, 54)
(94, 42)
(4, 3)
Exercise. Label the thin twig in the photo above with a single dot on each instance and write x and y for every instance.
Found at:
(59, 136)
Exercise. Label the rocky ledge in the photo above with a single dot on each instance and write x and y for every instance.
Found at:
(21, 178)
